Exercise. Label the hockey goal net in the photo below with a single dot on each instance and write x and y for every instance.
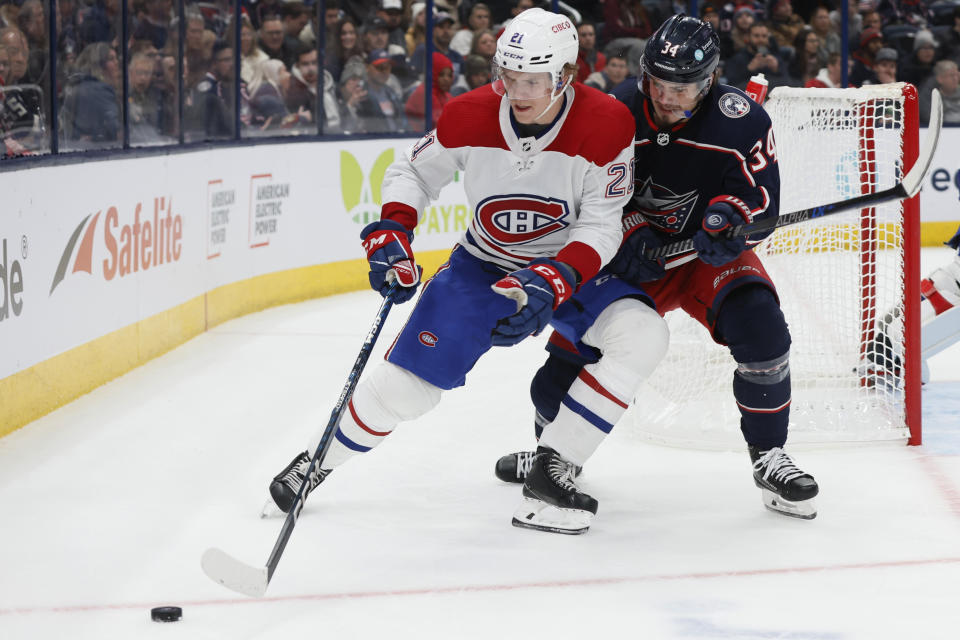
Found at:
(848, 286)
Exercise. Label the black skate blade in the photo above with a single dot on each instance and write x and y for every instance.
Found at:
(535, 527)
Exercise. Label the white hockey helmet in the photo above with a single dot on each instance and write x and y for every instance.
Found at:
(536, 41)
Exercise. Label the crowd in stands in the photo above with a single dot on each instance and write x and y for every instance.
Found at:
(370, 76)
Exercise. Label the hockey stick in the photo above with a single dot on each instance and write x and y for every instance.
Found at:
(223, 568)
(906, 188)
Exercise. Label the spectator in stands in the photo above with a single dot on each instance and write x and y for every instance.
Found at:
(21, 107)
(302, 92)
(830, 76)
(516, 8)
(855, 20)
(614, 72)
(476, 73)
(383, 110)
(33, 24)
(344, 47)
(946, 78)
(268, 109)
(98, 22)
(442, 35)
(90, 115)
(391, 12)
(152, 22)
(743, 18)
(295, 16)
(589, 58)
(352, 99)
(4, 65)
(484, 44)
(251, 55)
(950, 40)
(784, 24)
(806, 62)
(417, 32)
(147, 106)
(478, 18)
(872, 20)
(271, 36)
(440, 94)
(210, 115)
(919, 65)
(823, 27)
(18, 51)
(376, 36)
(885, 66)
(756, 57)
(864, 58)
(193, 35)
(626, 19)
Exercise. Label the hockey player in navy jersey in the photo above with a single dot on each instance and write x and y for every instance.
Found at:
(548, 168)
(706, 160)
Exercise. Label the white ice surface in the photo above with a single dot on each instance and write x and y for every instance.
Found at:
(108, 503)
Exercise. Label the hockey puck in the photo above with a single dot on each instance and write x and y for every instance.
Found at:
(166, 614)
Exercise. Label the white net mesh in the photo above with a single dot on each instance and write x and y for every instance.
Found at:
(840, 282)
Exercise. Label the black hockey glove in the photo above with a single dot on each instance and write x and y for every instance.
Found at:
(629, 263)
(713, 242)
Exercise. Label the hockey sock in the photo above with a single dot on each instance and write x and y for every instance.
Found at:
(751, 323)
(587, 414)
(633, 340)
(390, 395)
(762, 391)
(548, 388)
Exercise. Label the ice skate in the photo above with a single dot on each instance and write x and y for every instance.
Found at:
(285, 485)
(514, 467)
(786, 489)
(551, 500)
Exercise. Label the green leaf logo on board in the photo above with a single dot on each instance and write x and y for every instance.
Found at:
(362, 198)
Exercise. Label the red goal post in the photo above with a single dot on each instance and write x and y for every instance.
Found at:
(848, 284)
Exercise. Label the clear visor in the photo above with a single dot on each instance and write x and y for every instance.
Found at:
(675, 91)
(520, 85)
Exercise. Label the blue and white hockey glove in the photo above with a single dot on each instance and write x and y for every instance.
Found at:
(538, 290)
(713, 242)
(629, 263)
(387, 244)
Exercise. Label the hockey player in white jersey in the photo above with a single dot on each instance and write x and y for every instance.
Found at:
(548, 166)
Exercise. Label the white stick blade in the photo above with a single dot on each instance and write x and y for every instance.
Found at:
(914, 178)
(237, 576)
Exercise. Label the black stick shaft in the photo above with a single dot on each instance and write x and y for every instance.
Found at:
(326, 438)
(870, 199)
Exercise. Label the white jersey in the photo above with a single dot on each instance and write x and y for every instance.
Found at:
(559, 195)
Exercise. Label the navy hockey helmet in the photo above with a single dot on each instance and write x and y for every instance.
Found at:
(684, 49)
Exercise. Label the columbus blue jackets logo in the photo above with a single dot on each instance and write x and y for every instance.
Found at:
(734, 105)
(664, 209)
(520, 218)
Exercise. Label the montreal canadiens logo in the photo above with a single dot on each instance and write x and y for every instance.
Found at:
(427, 339)
(733, 105)
(520, 218)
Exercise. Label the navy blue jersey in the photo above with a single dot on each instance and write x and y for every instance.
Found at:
(724, 152)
